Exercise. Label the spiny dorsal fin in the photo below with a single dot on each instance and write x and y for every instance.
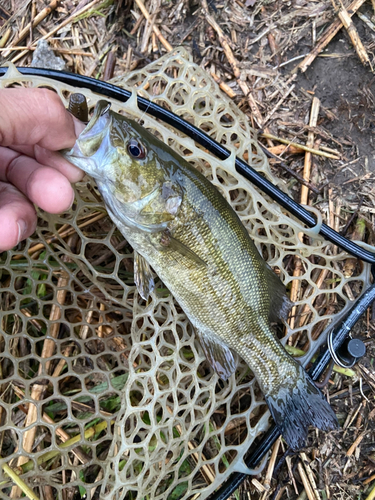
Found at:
(279, 302)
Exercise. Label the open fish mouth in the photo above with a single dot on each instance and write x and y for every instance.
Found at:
(86, 152)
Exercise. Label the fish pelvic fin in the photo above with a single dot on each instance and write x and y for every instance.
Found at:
(295, 408)
(143, 276)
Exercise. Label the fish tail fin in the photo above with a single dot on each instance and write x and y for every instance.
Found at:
(295, 408)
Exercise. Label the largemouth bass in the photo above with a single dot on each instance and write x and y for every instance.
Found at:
(180, 225)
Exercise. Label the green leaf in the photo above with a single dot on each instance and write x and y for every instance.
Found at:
(179, 491)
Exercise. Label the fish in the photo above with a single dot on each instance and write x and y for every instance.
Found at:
(180, 226)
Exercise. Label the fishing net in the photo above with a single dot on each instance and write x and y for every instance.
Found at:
(103, 394)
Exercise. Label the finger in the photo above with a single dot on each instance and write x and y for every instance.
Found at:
(44, 186)
(36, 116)
(17, 217)
(50, 159)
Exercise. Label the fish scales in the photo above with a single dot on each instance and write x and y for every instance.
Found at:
(179, 224)
(226, 284)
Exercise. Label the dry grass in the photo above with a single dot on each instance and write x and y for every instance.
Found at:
(256, 50)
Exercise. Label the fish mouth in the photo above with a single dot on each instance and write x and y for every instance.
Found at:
(92, 143)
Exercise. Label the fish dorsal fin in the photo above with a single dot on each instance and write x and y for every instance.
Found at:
(279, 302)
(218, 354)
(143, 276)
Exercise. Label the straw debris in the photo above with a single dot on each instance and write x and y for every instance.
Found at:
(301, 72)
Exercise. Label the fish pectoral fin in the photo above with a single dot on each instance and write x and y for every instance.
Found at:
(143, 276)
(218, 354)
(179, 247)
(168, 242)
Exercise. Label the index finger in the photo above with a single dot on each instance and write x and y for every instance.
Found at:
(36, 116)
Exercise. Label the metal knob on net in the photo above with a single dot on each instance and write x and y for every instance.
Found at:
(351, 351)
(356, 348)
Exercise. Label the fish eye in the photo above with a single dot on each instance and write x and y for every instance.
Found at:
(136, 150)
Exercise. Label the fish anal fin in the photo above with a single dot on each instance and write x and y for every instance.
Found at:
(280, 304)
(143, 276)
(218, 354)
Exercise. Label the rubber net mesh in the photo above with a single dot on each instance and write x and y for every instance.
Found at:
(105, 395)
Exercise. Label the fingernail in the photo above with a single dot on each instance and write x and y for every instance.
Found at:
(78, 126)
(21, 230)
(73, 198)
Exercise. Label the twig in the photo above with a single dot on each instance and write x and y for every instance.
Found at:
(366, 20)
(288, 461)
(276, 107)
(371, 495)
(258, 485)
(89, 433)
(109, 66)
(327, 37)
(156, 30)
(224, 87)
(59, 26)
(281, 149)
(271, 40)
(18, 481)
(283, 165)
(5, 37)
(207, 471)
(38, 19)
(306, 483)
(224, 42)
(64, 233)
(310, 475)
(351, 450)
(296, 283)
(4, 14)
(55, 49)
(59, 431)
(138, 21)
(369, 480)
(39, 388)
(147, 33)
(301, 146)
(353, 34)
(271, 466)
(310, 143)
(280, 493)
(33, 14)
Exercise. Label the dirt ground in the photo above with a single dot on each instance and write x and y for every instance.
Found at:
(258, 71)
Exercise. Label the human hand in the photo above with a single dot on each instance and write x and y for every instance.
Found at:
(33, 125)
